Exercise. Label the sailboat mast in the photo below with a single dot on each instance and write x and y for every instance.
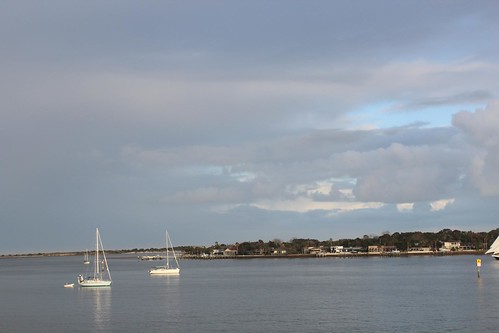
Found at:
(104, 261)
(167, 255)
(170, 244)
(96, 270)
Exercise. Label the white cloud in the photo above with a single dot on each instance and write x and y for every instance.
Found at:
(405, 207)
(441, 204)
(304, 205)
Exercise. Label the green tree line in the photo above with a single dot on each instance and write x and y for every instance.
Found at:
(402, 240)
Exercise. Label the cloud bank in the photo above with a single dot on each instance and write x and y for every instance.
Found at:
(231, 121)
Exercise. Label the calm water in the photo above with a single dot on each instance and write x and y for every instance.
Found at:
(415, 294)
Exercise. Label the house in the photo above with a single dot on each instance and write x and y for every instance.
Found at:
(342, 249)
(450, 246)
(336, 249)
(313, 250)
(381, 249)
(230, 251)
(217, 252)
(279, 251)
(352, 249)
(421, 249)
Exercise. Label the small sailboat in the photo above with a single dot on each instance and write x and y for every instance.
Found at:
(101, 276)
(85, 258)
(494, 249)
(169, 268)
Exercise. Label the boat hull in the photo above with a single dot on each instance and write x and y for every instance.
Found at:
(164, 271)
(95, 283)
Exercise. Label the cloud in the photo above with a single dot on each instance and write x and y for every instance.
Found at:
(441, 204)
(481, 130)
(480, 126)
(346, 181)
(303, 205)
(401, 173)
(237, 126)
(405, 207)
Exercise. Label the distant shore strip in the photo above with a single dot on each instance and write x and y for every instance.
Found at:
(128, 255)
(333, 255)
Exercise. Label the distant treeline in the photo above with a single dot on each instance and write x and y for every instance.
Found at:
(402, 240)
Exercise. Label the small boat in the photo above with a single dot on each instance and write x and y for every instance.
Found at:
(156, 257)
(494, 249)
(102, 275)
(69, 285)
(167, 269)
(85, 258)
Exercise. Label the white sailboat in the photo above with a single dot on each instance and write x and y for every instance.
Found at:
(494, 249)
(85, 258)
(167, 269)
(101, 276)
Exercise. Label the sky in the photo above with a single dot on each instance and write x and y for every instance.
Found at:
(230, 121)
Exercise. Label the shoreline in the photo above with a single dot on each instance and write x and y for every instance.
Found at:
(335, 255)
(133, 255)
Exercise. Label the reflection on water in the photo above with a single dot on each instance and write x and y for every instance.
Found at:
(100, 300)
(479, 283)
(168, 297)
(167, 279)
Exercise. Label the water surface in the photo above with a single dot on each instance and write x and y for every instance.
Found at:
(368, 294)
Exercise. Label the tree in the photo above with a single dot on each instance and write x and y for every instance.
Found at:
(247, 248)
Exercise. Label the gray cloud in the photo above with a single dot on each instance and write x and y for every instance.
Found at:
(226, 118)
(482, 129)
